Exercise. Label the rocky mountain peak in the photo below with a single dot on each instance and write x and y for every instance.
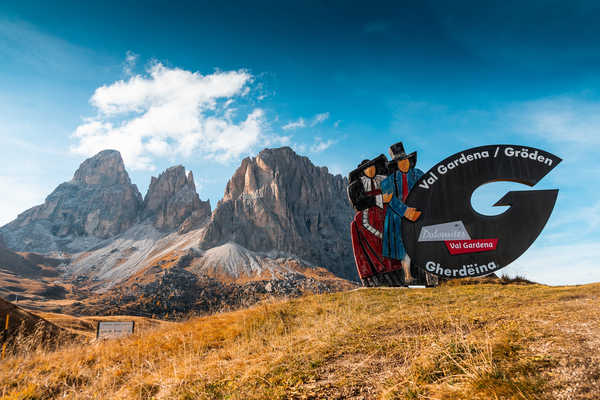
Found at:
(252, 174)
(281, 200)
(172, 201)
(98, 203)
(280, 158)
(268, 167)
(105, 168)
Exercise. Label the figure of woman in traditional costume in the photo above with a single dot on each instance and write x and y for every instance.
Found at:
(395, 189)
(364, 191)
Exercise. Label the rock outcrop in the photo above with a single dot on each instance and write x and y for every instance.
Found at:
(99, 202)
(172, 202)
(104, 169)
(280, 200)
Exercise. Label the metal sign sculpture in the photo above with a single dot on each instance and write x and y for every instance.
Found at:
(453, 240)
(403, 214)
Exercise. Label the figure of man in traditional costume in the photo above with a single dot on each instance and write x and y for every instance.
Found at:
(364, 191)
(395, 188)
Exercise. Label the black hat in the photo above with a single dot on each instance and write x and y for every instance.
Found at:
(397, 153)
(380, 166)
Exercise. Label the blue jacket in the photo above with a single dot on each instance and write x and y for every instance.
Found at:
(392, 228)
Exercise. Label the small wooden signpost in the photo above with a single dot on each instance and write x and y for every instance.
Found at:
(5, 334)
(114, 329)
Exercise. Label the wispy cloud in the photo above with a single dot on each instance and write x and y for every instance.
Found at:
(129, 63)
(317, 119)
(171, 112)
(23, 44)
(299, 123)
(566, 264)
(584, 221)
(560, 119)
(303, 123)
(22, 196)
(318, 145)
(322, 145)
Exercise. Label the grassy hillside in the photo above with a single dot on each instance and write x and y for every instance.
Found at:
(453, 342)
(23, 331)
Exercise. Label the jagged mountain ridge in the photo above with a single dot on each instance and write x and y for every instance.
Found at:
(100, 203)
(173, 203)
(278, 199)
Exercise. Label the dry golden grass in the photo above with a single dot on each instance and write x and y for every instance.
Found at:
(453, 342)
(22, 332)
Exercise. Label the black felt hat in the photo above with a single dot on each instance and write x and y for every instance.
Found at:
(397, 153)
(380, 166)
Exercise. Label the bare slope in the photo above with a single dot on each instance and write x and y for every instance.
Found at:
(222, 278)
(30, 276)
(465, 342)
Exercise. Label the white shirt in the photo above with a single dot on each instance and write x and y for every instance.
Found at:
(370, 184)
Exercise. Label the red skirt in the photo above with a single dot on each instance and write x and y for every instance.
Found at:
(367, 243)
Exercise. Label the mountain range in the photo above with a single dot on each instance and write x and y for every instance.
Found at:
(282, 227)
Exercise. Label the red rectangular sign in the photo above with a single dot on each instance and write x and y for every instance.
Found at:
(470, 246)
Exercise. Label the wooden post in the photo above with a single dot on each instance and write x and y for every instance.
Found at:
(5, 335)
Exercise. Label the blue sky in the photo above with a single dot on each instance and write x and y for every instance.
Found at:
(205, 85)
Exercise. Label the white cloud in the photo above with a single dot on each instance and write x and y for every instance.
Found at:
(317, 119)
(300, 123)
(130, 61)
(277, 141)
(321, 145)
(172, 112)
(318, 145)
